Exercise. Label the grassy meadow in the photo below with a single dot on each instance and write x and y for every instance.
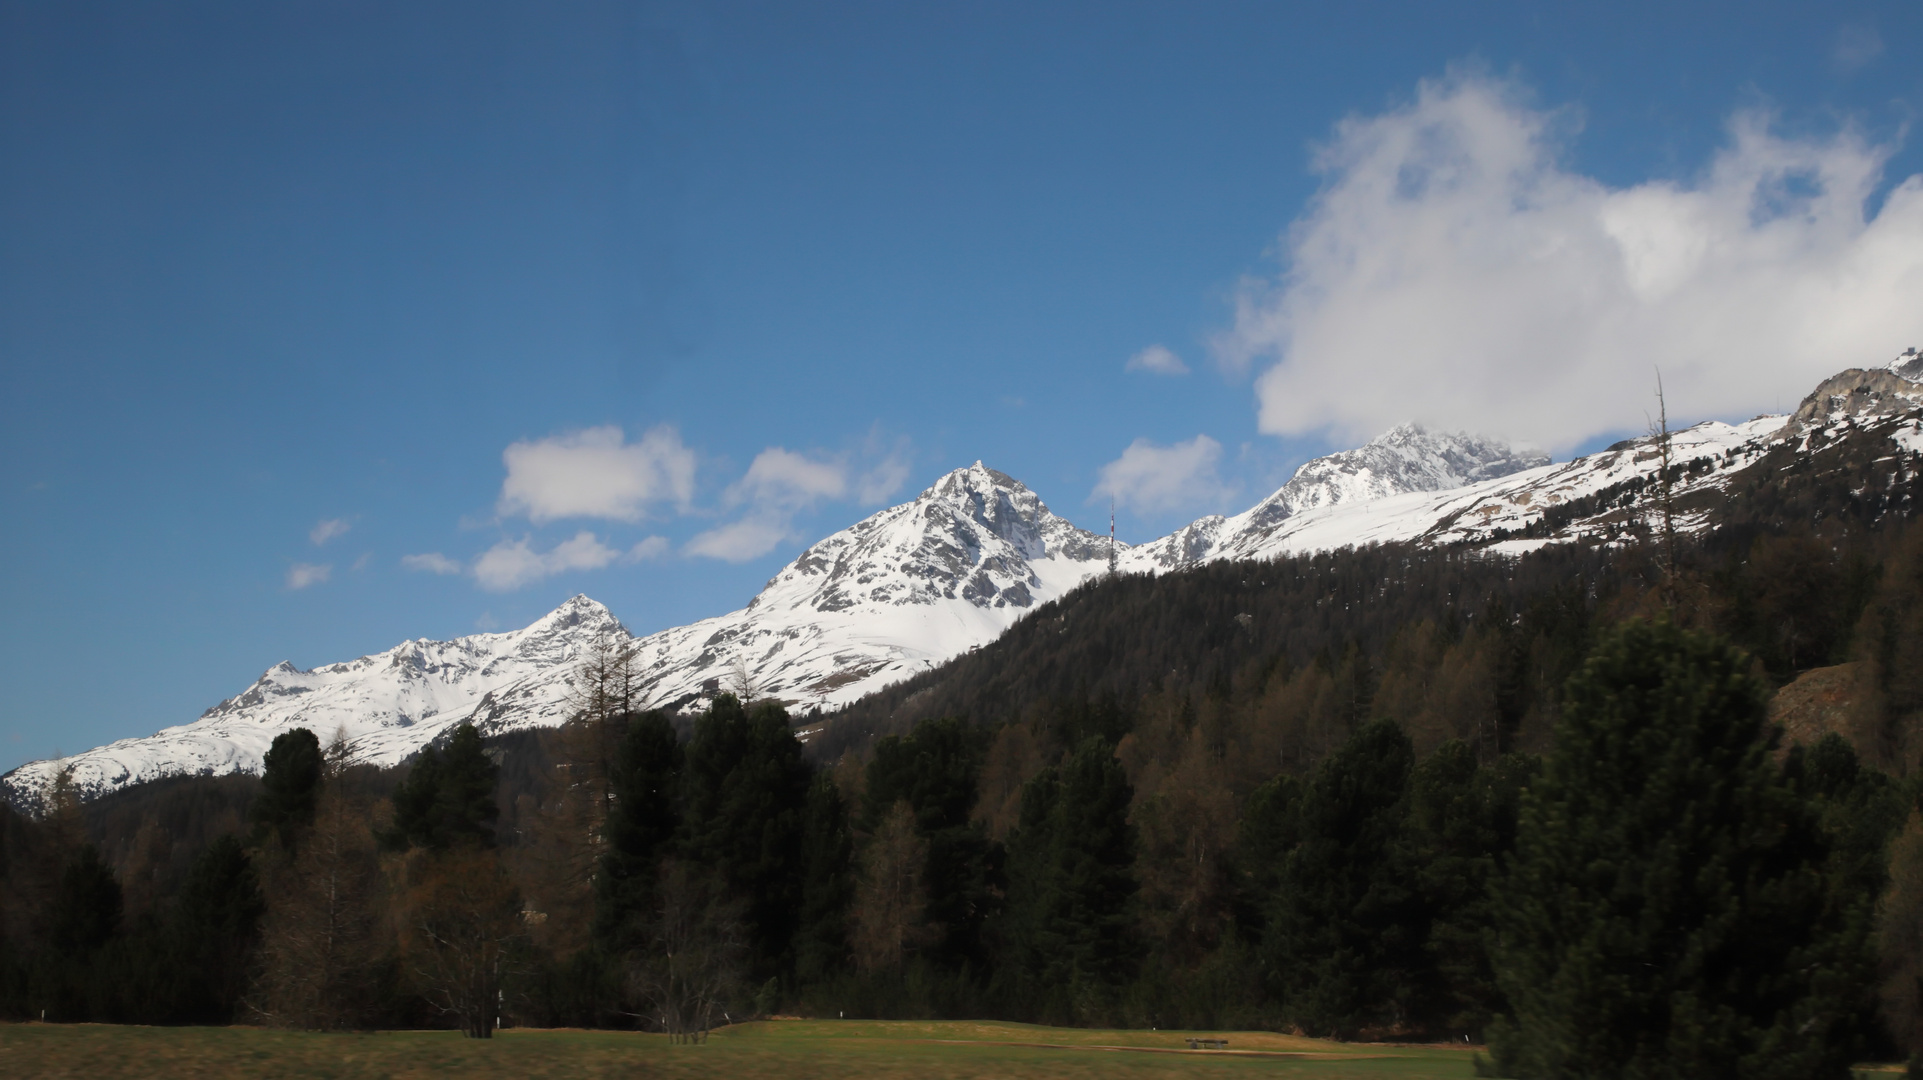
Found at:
(777, 1050)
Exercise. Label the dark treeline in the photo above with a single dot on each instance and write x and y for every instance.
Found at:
(1384, 792)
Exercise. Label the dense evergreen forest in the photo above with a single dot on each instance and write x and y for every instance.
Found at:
(1392, 792)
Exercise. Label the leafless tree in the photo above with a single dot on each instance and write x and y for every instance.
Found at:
(741, 680)
(557, 859)
(1665, 496)
(892, 898)
(692, 965)
(321, 938)
(460, 923)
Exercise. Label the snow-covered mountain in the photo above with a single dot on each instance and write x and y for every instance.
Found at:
(888, 597)
(389, 704)
(1405, 460)
(919, 583)
(1549, 503)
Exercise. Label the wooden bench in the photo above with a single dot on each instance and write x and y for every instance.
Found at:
(1208, 1044)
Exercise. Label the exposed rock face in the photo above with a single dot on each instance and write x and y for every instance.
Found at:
(1818, 702)
(916, 584)
(1401, 461)
(898, 592)
(1863, 393)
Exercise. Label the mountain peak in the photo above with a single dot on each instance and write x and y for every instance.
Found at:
(1909, 365)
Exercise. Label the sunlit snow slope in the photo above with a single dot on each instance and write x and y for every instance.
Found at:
(919, 583)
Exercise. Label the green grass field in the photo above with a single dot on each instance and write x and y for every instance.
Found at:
(776, 1050)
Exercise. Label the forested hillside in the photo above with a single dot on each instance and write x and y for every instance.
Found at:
(1308, 793)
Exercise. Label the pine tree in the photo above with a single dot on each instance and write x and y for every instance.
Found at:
(289, 785)
(827, 846)
(746, 785)
(642, 821)
(936, 770)
(1069, 926)
(1670, 911)
(215, 926)
(1343, 932)
(447, 799)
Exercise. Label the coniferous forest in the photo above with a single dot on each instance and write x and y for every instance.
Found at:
(1611, 810)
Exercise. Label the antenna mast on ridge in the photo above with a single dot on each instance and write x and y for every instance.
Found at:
(1111, 536)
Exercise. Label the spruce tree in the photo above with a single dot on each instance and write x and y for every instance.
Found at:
(447, 800)
(87, 907)
(936, 769)
(1343, 933)
(828, 854)
(1669, 911)
(1069, 926)
(289, 787)
(747, 792)
(642, 821)
(215, 925)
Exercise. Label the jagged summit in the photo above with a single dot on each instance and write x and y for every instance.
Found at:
(1909, 364)
(912, 585)
(1864, 392)
(1405, 459)
(389, 704)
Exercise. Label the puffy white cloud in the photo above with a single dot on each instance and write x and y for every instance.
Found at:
(301, 575)
(1158, 479)
(596, 473)
(738, 541)
(778, 485)
(652, 548)
(1856, 45)
(432, 562)
(1453, 271)
(328, 529)
(882, 481)
(1158, 360)
(511, 564)
(781, 477)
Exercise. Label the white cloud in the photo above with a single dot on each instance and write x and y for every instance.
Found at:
(433, 562)
(879, 483)
(652, 548)
(739, 541)
(596, 473)
(782, 477)
(1453, 271)
(1856, 45)
(778, 485)
(328, 529)
(511, 564)
(1158, 479)
(1158, 360)
(301, 575)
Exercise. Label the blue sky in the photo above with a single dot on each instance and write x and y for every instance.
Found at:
(323, 326)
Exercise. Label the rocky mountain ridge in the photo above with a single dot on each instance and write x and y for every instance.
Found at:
(916, 584)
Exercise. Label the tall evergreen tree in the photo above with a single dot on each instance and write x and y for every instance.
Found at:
(936, 769)
(289, 787)
(215, 925)
(87, 907)
(1071, 884)
(1343, 933)
(642, 821)
(1461, 826)
(447, 800)
(828, 855)
(747, 793)
(1669, 911)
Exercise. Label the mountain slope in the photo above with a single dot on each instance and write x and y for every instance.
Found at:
(917, 584)
(1403, 461)
(892, 595)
